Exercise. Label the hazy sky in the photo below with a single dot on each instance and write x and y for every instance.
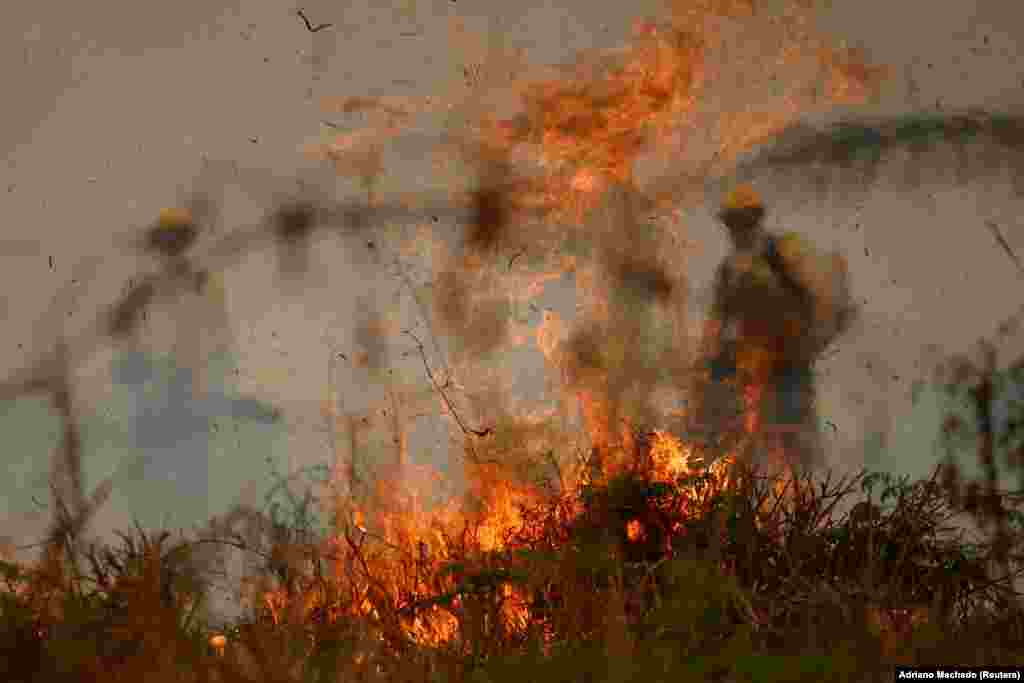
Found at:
(120, 106)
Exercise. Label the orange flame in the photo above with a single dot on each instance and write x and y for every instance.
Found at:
(669, 457)
(588, 129)
(218, 642)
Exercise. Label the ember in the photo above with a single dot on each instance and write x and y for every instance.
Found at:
(634, 530)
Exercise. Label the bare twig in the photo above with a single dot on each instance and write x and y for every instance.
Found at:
(451, 408)
(407, 281)
(997, 233)
(309, 26)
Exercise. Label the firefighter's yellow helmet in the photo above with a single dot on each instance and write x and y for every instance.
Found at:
(174, 217)
(743, 197)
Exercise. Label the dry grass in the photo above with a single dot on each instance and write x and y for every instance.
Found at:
(692, 577)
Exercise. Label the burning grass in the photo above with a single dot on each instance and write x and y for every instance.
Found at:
(666, 569)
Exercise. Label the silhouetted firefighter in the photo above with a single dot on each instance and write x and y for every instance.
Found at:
(778, 304)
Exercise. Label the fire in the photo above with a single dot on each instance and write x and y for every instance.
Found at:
(592, 127)
(504, 514)
(438, 628)
(218, 642)
(393, 556)
(399, 560)
(850, 78)
(588, 129)
(669, 457)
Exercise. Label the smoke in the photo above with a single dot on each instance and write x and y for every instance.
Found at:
(847, 155)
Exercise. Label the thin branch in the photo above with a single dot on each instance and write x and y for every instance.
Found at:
(997, 233)
(451, 408)
(425, 317)
(514, 257)
(309, 26)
